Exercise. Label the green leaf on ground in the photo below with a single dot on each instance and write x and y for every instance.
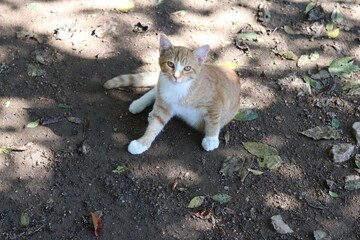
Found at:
(313, 83)
(333, 194)
(337, 16)
(5, 150)
(32, 6)
(221, 198)
(33, 124)
(246, 114)
(64, 106)
(314, 56)
(24, 219)
(357, 163)
(34, 70)
(354, 84)
(343, 67)
(334, 33)
(196, 201)
(351, 85)
(247, 36)
(335, 123)
(125, 6)
(271, 162)
(329, 26)
(120, 169)
(290, 31)
(320, 132)
(310, 6)
(287, 55)
(255, 172)
(230, 65)
(305, 59)
(259, 149)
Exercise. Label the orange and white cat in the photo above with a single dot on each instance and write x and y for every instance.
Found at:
(205, 96)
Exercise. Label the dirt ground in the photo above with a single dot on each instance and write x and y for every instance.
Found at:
(70, 48)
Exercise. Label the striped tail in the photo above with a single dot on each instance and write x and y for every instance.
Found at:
(145, 79)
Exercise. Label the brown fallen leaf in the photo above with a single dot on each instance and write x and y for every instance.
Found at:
(205, 214)
(173, 186)
(97, 223)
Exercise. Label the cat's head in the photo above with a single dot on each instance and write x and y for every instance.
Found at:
(180, 64)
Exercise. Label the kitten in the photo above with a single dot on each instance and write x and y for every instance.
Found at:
(205, 96)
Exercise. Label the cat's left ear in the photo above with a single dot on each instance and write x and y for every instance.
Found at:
(201, 53)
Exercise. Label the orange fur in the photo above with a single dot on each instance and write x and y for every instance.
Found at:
(205, 96)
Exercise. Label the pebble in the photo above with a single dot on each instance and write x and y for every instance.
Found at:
(342, 152)
(356, 128)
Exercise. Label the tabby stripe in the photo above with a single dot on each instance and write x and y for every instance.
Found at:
(161, 121)
(164, 109)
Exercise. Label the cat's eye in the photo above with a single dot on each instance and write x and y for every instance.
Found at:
(170, 64)
(187, 68)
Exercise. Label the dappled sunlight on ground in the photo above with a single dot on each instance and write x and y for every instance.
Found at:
(68, 172)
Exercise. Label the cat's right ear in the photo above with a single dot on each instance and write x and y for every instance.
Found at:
(165, 43)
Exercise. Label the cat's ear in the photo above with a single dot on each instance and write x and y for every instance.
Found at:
(201, 53)
(165, 43)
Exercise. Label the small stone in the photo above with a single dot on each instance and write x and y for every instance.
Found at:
(321, 235)
(352, 182)
(356, 127)
(279, 225)
(342, 152)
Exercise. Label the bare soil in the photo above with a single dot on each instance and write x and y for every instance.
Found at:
(68, 171)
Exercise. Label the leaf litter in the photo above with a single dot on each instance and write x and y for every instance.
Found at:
(246, 114)
(289, 55)
(313, 83)
(234, 165)
(270, 155)
(290, 31)
(96, 222)
(343, 67)
(260, 150)
(25, 219)
(8, 149)
(196, 202)
(221, 198)
(322, 132)
(337, 16)
(305, 59)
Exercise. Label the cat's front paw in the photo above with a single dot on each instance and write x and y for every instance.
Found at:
(210, 143)
(136, 107)
(135, 147)
(150, 116)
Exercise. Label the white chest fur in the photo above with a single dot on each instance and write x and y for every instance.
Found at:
(173, 94)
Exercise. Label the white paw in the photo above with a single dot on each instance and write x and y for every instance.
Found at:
(210, 143)
(135, 147)
(136, 107)
(150, 116)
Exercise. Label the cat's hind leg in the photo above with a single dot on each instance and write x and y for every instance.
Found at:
(146, 100)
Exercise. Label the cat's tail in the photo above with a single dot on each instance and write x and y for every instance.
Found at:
(145, 79)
